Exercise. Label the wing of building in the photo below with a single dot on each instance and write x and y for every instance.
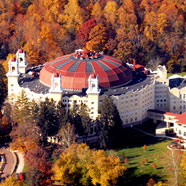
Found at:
(87, 77)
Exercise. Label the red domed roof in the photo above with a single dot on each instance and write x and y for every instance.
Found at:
(76, 69)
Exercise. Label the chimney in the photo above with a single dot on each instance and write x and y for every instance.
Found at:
(134, 65)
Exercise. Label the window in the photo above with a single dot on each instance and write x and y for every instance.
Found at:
(92, 102)
(179, 132)
(184, 133)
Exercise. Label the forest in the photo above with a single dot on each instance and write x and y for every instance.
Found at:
(150, 31)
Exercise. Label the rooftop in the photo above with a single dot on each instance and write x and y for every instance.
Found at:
(31, 80)
(136, 84)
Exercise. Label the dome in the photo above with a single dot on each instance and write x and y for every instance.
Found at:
(76, 68)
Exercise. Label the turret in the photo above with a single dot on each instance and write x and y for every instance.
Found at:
(13, 75)
(56, 89)
(21, 58)
(93, 84)
(93, 92)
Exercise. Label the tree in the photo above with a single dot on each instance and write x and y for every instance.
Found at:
(97, 12)
(21, 111)
(25, 136)
(36, 156)
(97, 38)
(40, 176)
(110, 12)
(62, 116)
(79, 118)
(86, 28)
(11, 181)
(47, 118)
(78, 165)
(67, 135)
(110, 123)
(3, 87)
(73, 16)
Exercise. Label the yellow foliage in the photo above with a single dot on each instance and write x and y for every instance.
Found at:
(72, 16)
(183, 164)
(79, 164)
(5, 63)
(11, 181)
(110, 12)
(97, 38)
(97, 11)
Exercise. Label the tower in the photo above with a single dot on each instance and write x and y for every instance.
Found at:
(56, 88)
(13, 75)
(93, 92)
(21, 58)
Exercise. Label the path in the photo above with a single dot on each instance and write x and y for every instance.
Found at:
(20, 162)
(14, 162)
(10, 162)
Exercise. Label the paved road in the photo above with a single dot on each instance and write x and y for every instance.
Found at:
(10, 162)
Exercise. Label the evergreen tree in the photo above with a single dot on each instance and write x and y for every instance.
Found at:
(80, 118)
(47, 119)
(110, 124)
(21, 111)
(62, 116)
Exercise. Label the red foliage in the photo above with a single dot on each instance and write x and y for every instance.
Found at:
(86, 28)
(36, 157)
(154, 166)
(151, 182)
(146, 160)
(21, 177)
(144, 147)
(126, 160)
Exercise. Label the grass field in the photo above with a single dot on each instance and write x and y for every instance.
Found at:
(140, 161)
(180, 74)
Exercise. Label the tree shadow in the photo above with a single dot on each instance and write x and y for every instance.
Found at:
(131, 138)
(130, 178)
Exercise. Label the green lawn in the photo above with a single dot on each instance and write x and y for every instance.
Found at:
(180, 74)
(139, 169)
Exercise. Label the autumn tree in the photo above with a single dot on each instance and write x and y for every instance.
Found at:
(25, 136)
(11, 181)
(67, 135)
(86, 28)
(40, 176)
(73, 16)
(111, 12)
(97, 12)
(97, 38)
(3, 87)
(36, 156)
(87, 167)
